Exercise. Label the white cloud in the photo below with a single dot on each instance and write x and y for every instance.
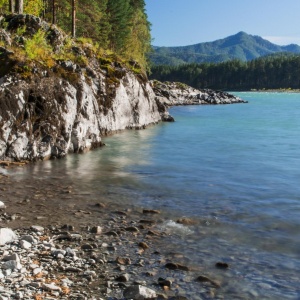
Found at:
(283, 40)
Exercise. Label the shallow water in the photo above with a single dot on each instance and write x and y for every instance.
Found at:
(234, 169)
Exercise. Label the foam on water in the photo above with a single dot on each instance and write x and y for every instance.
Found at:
(171, 227)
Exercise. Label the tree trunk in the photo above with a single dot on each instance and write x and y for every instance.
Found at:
(73, 18)
(53, 12)
(12, 6)
(19, 6)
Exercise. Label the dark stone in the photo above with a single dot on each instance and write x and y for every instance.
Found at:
(151, 211)
(164, 282)
(171, 266)
(222, 265)
(87, 247)
(205, 279)
(132, 229)
(123, 278)
(112, 233)
(96, 229)
(143, 245)
(174, 266)
(167, 118)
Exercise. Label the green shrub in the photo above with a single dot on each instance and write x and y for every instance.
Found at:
(38, 50)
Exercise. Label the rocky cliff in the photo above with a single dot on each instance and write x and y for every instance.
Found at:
(58, 96)
(48, 112)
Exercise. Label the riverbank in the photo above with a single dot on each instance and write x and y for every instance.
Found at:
(276, 90)
(79, 249)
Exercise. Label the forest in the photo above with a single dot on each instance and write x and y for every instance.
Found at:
(277, 71)
(118, 25)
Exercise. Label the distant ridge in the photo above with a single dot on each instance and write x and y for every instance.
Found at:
(240, 46)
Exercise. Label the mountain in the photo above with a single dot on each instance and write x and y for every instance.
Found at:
(240, 46)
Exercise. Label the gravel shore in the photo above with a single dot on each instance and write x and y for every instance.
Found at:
(61, 247)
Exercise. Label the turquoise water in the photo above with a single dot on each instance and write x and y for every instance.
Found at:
(235, 169)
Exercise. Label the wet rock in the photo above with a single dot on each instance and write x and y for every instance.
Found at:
(139, 292)
(143, 245)
(162, 296)
(222, 265)
(166, 117)
(147, 222)
(153, 232)
(206, 279)
(151, 273)
(123, 260)
(123, 277)
(164, 282)
(175, 266)
(186, 221)
(171, 266)
(151, 211)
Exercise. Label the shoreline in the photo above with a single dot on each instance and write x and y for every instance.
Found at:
(114, 247)
(268, 91)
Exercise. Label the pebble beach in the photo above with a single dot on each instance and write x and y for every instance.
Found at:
(55, 246)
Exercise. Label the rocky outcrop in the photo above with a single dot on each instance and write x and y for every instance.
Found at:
(49, 116)
(176, 93)
(48, 112)
(53, 107)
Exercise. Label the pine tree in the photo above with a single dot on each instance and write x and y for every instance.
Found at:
(119, 15)
(139, 42)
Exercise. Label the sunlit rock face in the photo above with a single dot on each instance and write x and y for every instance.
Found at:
(47, 117)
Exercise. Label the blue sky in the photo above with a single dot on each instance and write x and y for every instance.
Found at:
(187, 22)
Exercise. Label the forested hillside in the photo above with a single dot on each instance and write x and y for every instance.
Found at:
(118, 25)
(241, 46)
(269, 72)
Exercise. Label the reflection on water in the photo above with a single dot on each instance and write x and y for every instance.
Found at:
(234, 169)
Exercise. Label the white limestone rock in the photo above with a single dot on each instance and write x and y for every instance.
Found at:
(7, 236)
(139, 292)
(72, 118)
(25, 245)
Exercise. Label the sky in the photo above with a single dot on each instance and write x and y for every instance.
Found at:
(188, 22)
